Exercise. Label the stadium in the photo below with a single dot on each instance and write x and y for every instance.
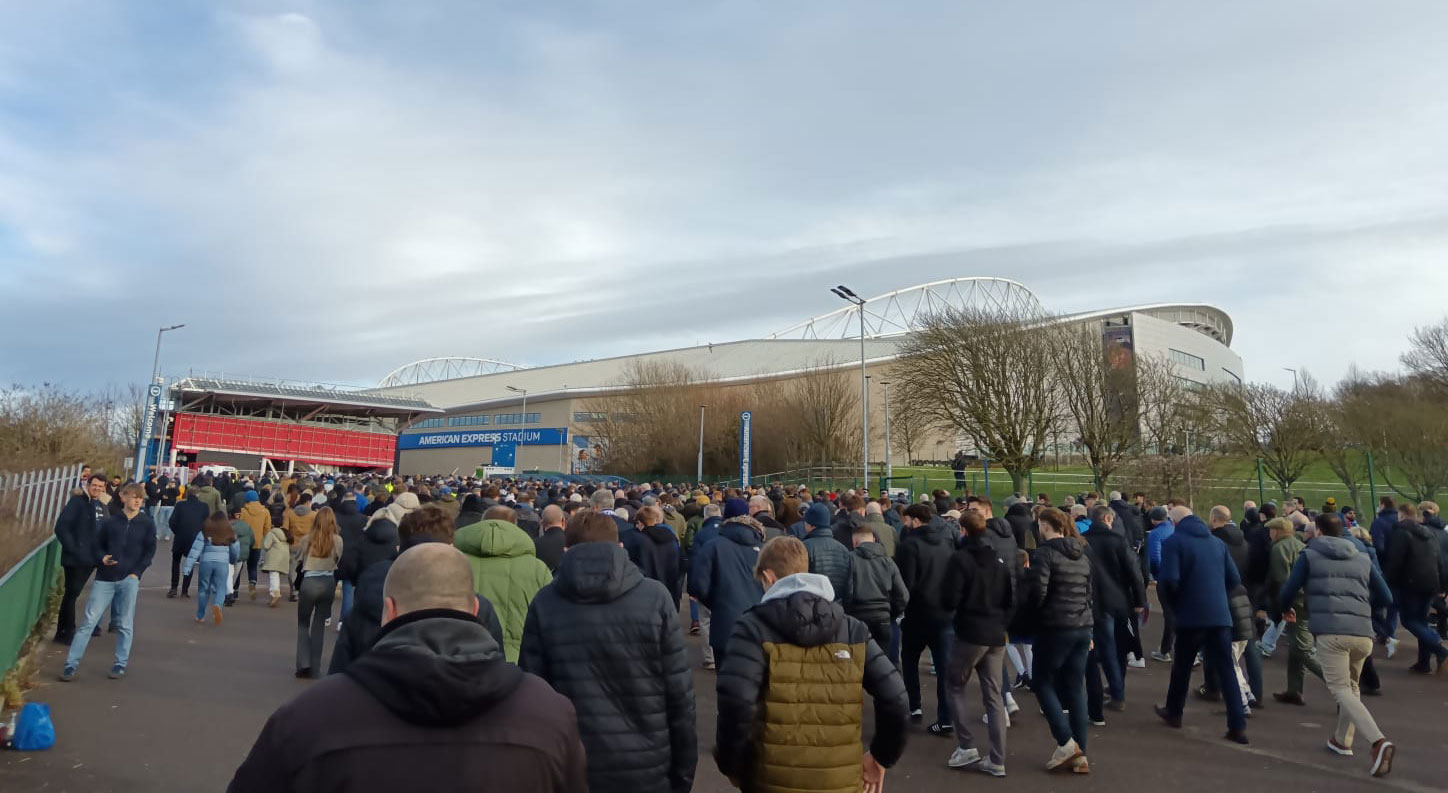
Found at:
(460, 414)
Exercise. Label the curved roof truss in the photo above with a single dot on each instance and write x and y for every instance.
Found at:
(430, 370)
(901, 311)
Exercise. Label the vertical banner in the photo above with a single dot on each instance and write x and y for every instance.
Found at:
(148, 425)
(746, 446)
(1120, 386)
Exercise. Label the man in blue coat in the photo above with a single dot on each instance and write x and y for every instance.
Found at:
(1195, 576)
(722, 576)
(1381, 531)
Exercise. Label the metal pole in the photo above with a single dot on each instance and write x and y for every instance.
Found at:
(864, 399)
(889, 467)
(699, 472)
(145, 437)
(1372, 484)
(1261, 486)
(1189, 469)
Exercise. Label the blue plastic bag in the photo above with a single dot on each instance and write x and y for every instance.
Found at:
(34, 731)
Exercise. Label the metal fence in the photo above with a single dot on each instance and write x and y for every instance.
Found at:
(35, 498)
(29, 504)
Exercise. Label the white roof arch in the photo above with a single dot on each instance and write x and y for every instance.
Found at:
(430, 370)
(899, 312)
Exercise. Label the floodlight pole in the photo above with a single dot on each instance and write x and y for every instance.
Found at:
(845, 293)
(145, 437)
(889, 469)
(699, 472)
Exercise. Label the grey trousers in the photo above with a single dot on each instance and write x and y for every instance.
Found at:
(314, 606)
(986, 664)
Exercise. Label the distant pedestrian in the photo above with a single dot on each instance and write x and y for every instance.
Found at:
(276, 563)
(1059, 590)
(214, 551)
(319, 552)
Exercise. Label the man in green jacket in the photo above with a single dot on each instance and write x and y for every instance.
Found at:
(506, 571)
(1286, 546)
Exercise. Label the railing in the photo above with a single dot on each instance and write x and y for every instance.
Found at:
(29, 505)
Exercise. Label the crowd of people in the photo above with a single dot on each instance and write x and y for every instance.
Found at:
(533, 632)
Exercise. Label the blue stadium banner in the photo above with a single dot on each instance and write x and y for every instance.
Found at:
(746, 446)
(549, 436)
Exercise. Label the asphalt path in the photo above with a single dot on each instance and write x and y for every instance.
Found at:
(195, 697)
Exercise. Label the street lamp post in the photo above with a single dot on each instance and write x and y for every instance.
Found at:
(843, 292)
(699, 472)
(1294, 377)
(524, 420)
(889, 469)
(150, 414)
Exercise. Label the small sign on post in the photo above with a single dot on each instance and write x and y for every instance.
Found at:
(746, 446)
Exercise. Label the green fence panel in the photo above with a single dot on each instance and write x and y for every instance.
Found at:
(23, 595)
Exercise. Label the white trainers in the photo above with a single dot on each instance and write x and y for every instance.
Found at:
(985, 718)
(988, 767)
(1136, 663)
(1064, 755)
(1392, 645)
(1012, 707)
(961, 758)
(1160, 657)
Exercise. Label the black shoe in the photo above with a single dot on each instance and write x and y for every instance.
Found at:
(112, 628)
(230, 601)
(304, 674)
(1288, 698)
(96, 632)
(1236, 736)
(943, 730)
(293, 598)
(1372, 692)
(1211, 696)
(185, 594)
(1021, 681)
(171, 593)
(1171, 721)
(1420, 669)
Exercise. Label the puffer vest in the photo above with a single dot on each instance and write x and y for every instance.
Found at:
(1337, 594)
(812, 708)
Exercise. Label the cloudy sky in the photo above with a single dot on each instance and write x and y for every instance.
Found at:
(327, 190)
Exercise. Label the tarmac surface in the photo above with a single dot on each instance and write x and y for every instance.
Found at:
(195, 697)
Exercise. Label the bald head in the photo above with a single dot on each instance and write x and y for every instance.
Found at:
(1180, 513)
(1220, 516)
(758, 504)
(552, 516)
(433, 575)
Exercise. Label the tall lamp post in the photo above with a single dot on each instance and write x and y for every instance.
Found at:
(844, 293)
(889, 469)
(150, 415)
(699, 472)
(524, 420)
(1294, 377)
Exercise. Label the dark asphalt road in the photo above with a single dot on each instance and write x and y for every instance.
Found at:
(196, 696)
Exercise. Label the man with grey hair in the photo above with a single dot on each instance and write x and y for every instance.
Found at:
(432, 704)
(762, 510)
(604, 501)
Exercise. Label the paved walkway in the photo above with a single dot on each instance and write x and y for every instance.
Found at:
(197, 695)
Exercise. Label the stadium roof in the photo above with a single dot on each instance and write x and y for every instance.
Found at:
(333, 400)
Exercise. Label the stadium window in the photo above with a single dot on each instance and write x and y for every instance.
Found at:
(582, 417)
(1188, 360)
(428, 424)
(1232, 376)
(468, 421)
(1187, 383)
(534, 418)
(510, 418)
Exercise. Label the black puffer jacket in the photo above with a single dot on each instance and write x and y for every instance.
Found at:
(1414, 562)
(982, 590)
(1001, 536)
(1119, 587)
(827, 557)
(1061, 586)
(608, 638)
(659, 557)
(187, 519)
(879, 593)
(801, 620)
(923, 556)
(378, 543)
(1128, 525)
(350, 522)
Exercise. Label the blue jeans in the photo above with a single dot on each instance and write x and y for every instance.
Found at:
(915, 635)
(348, 588)
(1059, 679)
(116, 596)
(210, 585)
(1414, 612)
(162, 516)
(1104, 659)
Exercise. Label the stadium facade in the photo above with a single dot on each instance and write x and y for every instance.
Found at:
(540, 418)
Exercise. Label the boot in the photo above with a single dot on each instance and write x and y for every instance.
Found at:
(252, 587)
(275, 599)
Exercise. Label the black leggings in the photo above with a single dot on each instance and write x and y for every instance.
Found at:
(177, 554)
(75, 578)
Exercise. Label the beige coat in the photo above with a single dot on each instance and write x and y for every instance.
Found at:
(276, 554)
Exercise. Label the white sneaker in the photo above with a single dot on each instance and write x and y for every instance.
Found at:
(1012, 707)
(1136, 663)
(1392, 645)
(1064, 754)
(1160, 657)
(991, 768)
(961, 758)
(985, 718)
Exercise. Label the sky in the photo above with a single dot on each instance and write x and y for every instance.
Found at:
(325, 191)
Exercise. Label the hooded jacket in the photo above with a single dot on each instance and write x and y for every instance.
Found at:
(923, 556)
(723, 577)
(1128, 524)
(506, 571)
(798, 652)
(376, 543)
(211, 497)
(609, 639)
(982, 591)
(433, 706)
(1023, 526)
(1061, 586)
(1414, 562)
(1001, 536)
(186, 521)
(1239, 600)
(1382, 530)
(1341, 585)
(259, 519)
(1196, 575)
(827, 557)
(1119, 588)
(879, 592)
(659, 558)
(298, 522)
(1281, 558)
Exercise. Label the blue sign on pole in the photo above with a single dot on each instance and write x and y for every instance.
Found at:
(746, 446)
(505, 455)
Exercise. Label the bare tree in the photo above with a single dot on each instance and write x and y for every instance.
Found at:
(989, 378)
(909, 427)
(1404, 421)
(1341, 448)
(1176, 443)
(1428, 356)
(1276, 426)
(825, 405)
(1096, 383)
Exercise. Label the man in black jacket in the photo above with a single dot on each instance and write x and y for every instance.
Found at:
(923, 556)
(1415, 571)
(880, 595)
(827, 557)
(123, 550)
(549, 544)
(350, 523)
(432, 706)
(186, 522)
(76, 528)
(659, 553)
(981, 587)
(1120, 595)
(609, 639)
